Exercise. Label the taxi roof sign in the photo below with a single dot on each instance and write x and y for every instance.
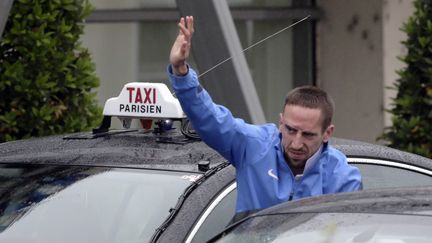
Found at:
(144, 100)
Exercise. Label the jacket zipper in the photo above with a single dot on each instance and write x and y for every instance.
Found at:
(296, 181)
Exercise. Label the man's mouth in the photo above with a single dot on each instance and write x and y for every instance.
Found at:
(296, 154)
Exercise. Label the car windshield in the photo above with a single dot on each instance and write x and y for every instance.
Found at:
(85, 204)
(333, 228)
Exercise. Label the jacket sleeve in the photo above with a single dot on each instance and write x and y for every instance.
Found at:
(353, 181)
(214, 123)
(347, 178)
(342, 177)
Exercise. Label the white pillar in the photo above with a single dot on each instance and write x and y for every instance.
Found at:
(395, 13)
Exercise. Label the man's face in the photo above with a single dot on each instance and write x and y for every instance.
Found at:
(302, 133)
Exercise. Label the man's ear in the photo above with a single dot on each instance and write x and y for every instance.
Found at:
(280, 119)
(328, 133)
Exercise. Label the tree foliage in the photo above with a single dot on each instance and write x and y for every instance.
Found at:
(46, 76)
(412, 108)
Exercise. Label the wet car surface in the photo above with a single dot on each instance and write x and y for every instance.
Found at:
(145, 186)
(380, 215)
(138, 188)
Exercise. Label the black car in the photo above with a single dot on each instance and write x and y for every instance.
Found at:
(159, 184)
(129, 187)
(380, 215)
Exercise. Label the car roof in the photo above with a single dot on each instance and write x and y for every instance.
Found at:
(389, 200)
(134, 148)
(171, 150)
(357, 149)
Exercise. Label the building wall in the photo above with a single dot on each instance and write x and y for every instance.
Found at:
(356, 58)
(114, 51)
(395, 13)
(357, 45)
(137, 50)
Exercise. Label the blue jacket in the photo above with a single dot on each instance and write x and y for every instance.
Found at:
(263, 175)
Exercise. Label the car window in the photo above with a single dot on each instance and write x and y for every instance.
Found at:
(384, 174)
(85, 204)
(216, 217)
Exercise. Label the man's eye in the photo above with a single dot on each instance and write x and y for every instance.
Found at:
(291, 130)
(308, 135)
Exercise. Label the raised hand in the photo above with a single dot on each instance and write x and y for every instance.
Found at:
(181, 47)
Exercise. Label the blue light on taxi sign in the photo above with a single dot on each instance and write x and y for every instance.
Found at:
(144, 100)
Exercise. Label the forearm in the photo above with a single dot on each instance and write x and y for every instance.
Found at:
(214, 123)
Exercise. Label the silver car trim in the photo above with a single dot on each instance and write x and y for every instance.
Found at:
(210, 208)
(390, 163)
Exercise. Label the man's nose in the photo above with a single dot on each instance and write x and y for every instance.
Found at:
(297, 142)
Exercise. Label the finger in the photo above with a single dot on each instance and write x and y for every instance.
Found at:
(188, 22)
(191, 24)
(184, 31)
(181, 22)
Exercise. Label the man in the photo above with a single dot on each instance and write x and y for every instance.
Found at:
(273, 164)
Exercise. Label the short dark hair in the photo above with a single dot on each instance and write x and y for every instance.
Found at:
(312, 97)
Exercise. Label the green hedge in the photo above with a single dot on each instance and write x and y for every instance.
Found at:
(412, 108)
(46, 78)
